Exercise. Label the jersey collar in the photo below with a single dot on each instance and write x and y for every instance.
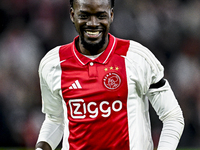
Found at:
(103, 58)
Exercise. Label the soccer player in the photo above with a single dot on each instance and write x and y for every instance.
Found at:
(95, 90)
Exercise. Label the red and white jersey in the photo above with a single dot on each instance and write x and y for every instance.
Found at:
(102, 101)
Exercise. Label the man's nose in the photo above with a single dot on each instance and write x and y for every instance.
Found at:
(93, 21)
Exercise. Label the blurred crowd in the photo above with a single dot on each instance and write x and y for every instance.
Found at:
(30, 28)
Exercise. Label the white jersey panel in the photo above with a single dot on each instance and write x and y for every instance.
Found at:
(142, 69)
(50, 81)
(65, 144)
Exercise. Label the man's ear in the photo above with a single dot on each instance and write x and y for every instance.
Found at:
(112, 14)
(72, 14)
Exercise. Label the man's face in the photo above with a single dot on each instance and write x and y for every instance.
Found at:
(92, 19)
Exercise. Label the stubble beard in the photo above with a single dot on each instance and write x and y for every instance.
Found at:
(93, 48)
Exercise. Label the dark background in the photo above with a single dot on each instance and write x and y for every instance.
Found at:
(30, 28)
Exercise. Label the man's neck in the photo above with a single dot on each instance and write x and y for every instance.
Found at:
(80, 47)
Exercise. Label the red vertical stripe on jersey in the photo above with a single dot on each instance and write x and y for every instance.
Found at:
(97, 112)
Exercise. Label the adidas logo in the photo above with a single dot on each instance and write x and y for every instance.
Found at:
(75, 85)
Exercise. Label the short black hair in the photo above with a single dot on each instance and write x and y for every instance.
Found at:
(112, 3)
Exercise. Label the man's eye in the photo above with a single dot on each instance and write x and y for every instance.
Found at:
(102, 16)
(82, 16)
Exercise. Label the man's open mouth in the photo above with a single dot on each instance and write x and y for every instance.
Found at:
(93, 34)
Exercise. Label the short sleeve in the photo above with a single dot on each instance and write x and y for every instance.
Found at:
(147, 67)
(50, 83)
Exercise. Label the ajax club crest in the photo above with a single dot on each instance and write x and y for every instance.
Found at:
(112, 81)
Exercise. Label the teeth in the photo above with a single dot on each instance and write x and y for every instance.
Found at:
(92, 33)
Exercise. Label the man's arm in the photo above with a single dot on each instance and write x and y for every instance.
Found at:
(166, 106)
(51, 133)
(43, 146)
(150, 83)
(52, 105)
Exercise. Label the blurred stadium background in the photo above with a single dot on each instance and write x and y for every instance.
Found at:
(30, 28)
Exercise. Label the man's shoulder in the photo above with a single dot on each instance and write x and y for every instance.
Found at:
(143, 56)
(50, 58)
(136, 47)
(140, 51)
(53, 58)
(131, 47)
